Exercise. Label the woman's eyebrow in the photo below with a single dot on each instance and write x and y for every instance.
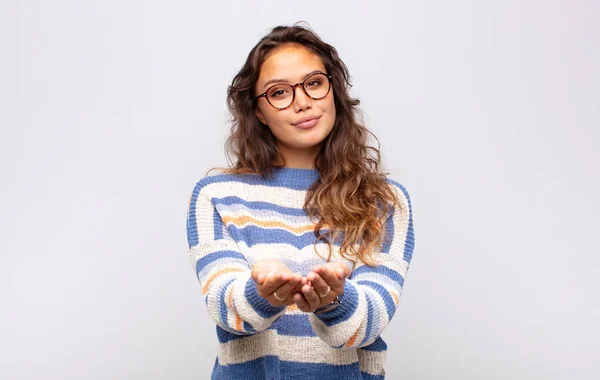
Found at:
(283, 80)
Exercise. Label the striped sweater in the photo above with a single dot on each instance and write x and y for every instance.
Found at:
(235, 220)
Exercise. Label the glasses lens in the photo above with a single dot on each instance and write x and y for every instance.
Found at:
(280, 96)
(317, 86)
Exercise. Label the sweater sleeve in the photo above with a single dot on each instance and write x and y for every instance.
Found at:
(371, 294)
(229, 291)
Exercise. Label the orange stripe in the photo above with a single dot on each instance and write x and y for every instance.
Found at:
(238, 323)
(395, 297)
(293, 307)
(351, 341)
(267, 223)
(230, 298)
(238, 320)
(222, 271)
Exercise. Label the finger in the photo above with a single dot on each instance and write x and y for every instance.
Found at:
(298, 287)
(311, 297)
(301, 303)
(346, 270)
(331, 278)
(342, 271)
(273, 281)
(260, 278)
(286, 289)
(257, 268)
(320, 285)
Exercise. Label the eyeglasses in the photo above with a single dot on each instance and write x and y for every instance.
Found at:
(282, 95)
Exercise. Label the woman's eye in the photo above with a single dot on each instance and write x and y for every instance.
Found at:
(278, 93)
(314, 83)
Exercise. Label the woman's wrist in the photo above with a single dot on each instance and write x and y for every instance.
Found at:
(333, 305)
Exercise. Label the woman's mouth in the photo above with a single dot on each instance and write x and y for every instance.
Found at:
(308, 123)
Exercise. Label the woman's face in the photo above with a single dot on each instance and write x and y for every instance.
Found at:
(292, 64)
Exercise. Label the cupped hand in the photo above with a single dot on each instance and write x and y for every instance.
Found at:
(272, 276)
(321, 286)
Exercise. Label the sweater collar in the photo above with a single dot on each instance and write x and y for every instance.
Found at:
(296, 177)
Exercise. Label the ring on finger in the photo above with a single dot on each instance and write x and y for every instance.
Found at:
(276, 296)
(325, 293)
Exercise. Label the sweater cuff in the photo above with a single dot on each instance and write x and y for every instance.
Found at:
(258, 303)
(347, 307)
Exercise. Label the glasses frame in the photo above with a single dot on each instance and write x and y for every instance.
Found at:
(293, 86)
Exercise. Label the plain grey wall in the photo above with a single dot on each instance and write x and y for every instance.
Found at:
(488, 112)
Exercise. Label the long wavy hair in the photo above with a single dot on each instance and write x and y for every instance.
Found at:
(352, 198)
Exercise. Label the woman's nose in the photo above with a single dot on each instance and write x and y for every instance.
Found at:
(301, 100)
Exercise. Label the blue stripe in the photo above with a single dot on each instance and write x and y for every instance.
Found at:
(294, 325)
(225, 336)
(387, 297)
(390, 230)
(222, 305)
(258, 303)
(410, 241)
(369, 321)
(295, 182)
(248, 327)
(219, 255)
(266, 367)
(378, 345)
(217, 225)
(303, 267)
(381, 270)
(258, 235)
(322, 371)
(366, 376)
(192, 227)
(257, 205)
(410, 234)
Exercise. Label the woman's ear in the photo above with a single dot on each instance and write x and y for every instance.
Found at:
(260, 116)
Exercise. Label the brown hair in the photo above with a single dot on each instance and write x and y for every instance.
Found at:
(350, 195)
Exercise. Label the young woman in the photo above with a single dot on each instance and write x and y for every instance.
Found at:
(302, 245)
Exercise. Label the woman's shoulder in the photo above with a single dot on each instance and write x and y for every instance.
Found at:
(220, 180)
(398, 187)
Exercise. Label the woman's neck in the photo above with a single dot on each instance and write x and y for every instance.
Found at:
(297, 158)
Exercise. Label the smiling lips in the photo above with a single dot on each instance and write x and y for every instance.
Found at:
(307, 122)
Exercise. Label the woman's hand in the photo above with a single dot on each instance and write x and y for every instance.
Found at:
(321, 286)
(275, 282)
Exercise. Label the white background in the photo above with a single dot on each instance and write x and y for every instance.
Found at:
(488, 112)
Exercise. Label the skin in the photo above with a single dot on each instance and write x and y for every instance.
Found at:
(272, 276)
(299, 149)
